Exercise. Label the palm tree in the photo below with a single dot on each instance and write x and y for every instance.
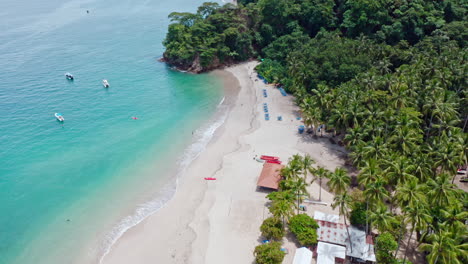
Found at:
(282, 204)
(406, 139)
(354, 136)
(454, 217)
(382, 218)
(374, 193)
(447, 156)
(357, 154)
(343, 201)
(441, 191)
(398, 169)
(376, 148)
(293, 169)
(307, 168)
(320, 94)
(418, 217)
(321, 172)
(409, 193)
(297, 186)
(339, 181)
(421, 167)
(340, 118)
(370, 171)
(443, 248)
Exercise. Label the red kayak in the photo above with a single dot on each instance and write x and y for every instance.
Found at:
(210, 179)
(264, 157)
(274, 161)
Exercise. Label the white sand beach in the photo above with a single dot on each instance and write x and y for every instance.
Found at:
(219, 221)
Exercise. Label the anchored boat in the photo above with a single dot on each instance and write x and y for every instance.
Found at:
(105, 83)
(59, 117)
(69, 76)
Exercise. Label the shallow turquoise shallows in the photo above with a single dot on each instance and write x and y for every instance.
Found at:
(69, 190)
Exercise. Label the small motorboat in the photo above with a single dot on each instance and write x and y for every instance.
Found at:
(59, 117)
(210, 179)
(69, 76)
(105, 83)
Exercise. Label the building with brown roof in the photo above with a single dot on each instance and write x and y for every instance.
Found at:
(270, 176)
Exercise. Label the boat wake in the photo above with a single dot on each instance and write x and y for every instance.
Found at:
(202, 137)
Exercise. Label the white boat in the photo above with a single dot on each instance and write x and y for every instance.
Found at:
(69, 76)
(105, 83)
(59, 117)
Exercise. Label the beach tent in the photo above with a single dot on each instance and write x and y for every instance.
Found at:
(270, 176)
(326, 253)
(303, 256)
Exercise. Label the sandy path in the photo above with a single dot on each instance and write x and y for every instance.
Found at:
(218, 221)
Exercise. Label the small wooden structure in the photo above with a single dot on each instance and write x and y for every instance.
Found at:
(270, 176)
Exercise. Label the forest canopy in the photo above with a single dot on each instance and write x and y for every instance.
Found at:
(387, 78)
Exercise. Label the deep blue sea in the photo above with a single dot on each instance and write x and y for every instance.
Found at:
(69, 190)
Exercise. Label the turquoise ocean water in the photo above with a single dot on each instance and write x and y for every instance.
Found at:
(68, 191)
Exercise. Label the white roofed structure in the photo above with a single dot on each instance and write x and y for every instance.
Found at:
(331, 231)
(326, 217)
(302, 256)
(326, 253)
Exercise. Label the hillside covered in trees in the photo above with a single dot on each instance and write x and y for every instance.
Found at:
(388, 78)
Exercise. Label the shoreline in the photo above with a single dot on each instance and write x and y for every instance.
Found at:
(201, 137)
(206, 221)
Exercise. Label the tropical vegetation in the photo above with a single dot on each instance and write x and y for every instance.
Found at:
(304, 228)
(387, 79)
(269, 253)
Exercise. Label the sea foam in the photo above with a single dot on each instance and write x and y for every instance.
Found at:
(202, 137)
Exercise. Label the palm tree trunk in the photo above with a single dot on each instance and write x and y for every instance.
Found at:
(407, 244)
(464, 126)
(297, 202)
(320, 189)
(430, 125)
(367, 219)
(400, 238)
(349, 237)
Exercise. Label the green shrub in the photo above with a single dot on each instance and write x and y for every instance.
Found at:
(386, 245)
(272, 228)
(269, 253)
(358, 215)
(304, 228)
